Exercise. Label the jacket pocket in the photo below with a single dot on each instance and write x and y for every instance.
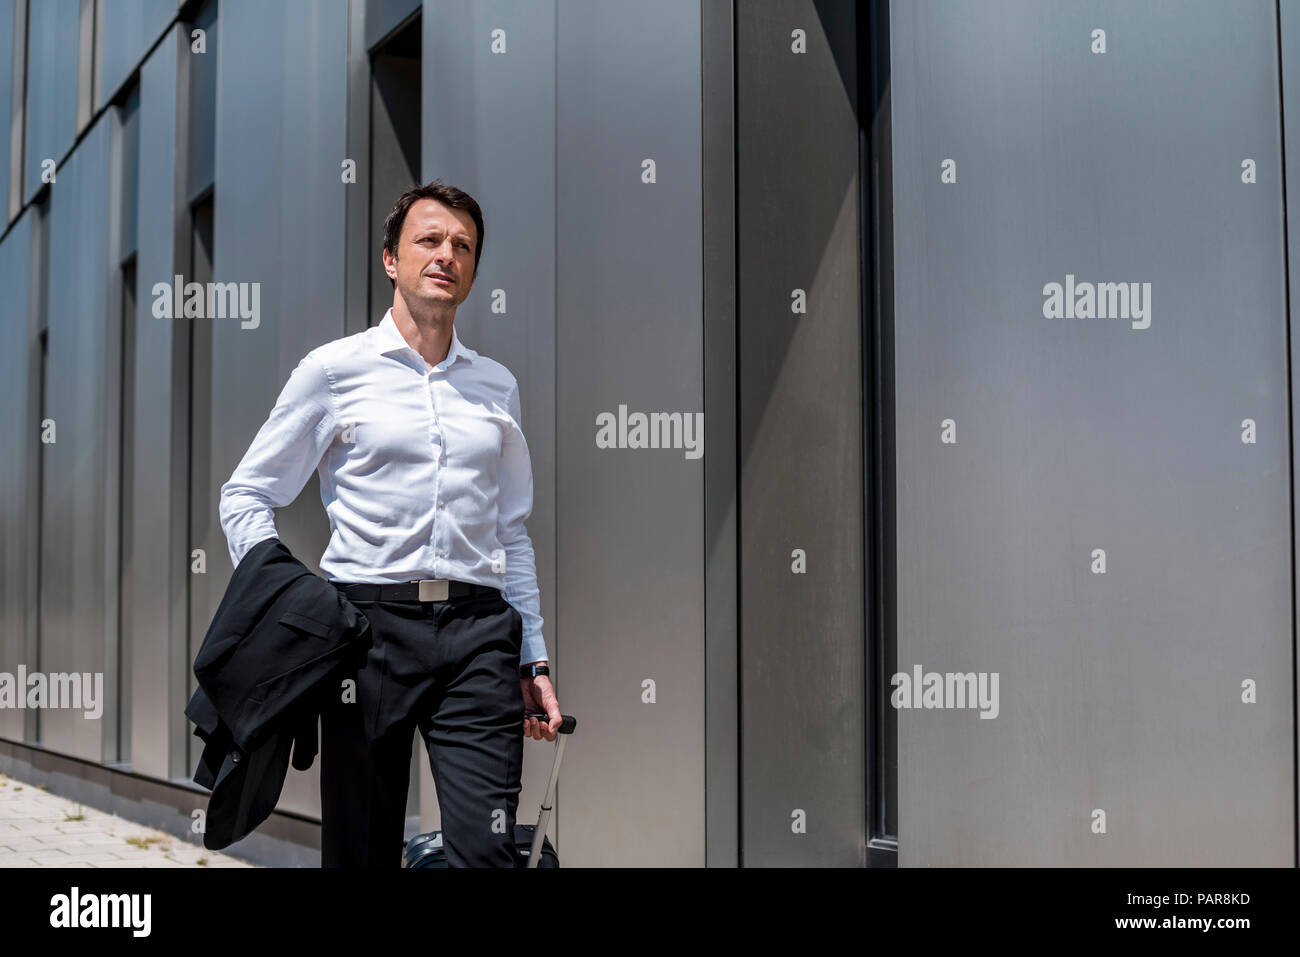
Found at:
(321, 629)
(263, 686)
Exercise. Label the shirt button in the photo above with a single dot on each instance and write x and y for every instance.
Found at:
(442, 504)
(442, 551)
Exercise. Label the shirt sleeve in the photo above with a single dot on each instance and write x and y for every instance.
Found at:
(514, 505)
(284, 453)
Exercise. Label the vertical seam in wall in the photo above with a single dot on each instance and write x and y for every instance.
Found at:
(44, 337)
(122, 517)
(15, 187)
(704, 405)
(27, 116)
(187, 475)
(738, 436)
(555, 352)
(1286, 285)
(348, 132)
(866, 430)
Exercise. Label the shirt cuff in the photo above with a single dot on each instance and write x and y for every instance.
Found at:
(533, 649)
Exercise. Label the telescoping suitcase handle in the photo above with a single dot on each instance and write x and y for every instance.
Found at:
(567, 723)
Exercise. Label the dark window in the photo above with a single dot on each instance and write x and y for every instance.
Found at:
(126, 511)
(394, 143)
(130, 184)
(202, 495)
(202, 103)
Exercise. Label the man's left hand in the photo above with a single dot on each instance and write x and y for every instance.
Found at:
(540, 696)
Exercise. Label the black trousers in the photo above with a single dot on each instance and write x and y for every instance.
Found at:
(451, 670)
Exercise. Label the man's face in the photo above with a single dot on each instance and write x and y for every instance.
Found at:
(437, 242)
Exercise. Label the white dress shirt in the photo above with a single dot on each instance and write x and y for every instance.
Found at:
(424, 472)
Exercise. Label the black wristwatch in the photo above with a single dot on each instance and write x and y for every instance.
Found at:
(533, 670)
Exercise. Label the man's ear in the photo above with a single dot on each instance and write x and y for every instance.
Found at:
(390, 263)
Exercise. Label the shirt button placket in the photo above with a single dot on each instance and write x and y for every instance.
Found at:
(442, 458)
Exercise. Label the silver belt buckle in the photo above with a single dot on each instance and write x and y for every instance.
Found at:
(434, 589)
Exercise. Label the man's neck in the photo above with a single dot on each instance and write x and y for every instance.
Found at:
(428, 333)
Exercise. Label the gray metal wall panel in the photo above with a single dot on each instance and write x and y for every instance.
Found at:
(158, 558)
(1289, 51)
(1119, 691)
(75, 508)
(495, 138)
(19, 432)
(721, 696)
(127, 29)
(630, 521)
(17, 125)
(51, 86)
(7, 43)
(121, 149)
(279, 222)
(802, 631)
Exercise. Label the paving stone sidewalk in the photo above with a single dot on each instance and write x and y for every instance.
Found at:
(39, 829)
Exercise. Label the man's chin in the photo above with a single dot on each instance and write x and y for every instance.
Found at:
(431, 293)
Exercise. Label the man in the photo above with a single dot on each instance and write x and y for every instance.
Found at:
(427, 481)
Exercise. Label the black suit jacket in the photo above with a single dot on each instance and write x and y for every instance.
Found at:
(273, 652)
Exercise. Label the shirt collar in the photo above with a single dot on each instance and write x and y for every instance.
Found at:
(392, 340)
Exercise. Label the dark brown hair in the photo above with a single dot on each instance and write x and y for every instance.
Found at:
(448, 195)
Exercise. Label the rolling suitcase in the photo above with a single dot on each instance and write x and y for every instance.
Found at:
(533, 847)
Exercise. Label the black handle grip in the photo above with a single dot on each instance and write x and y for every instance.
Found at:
(567, 721)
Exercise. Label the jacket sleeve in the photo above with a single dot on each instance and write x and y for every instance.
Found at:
(286, 450)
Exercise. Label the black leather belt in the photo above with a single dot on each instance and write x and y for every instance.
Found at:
(425, 589)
